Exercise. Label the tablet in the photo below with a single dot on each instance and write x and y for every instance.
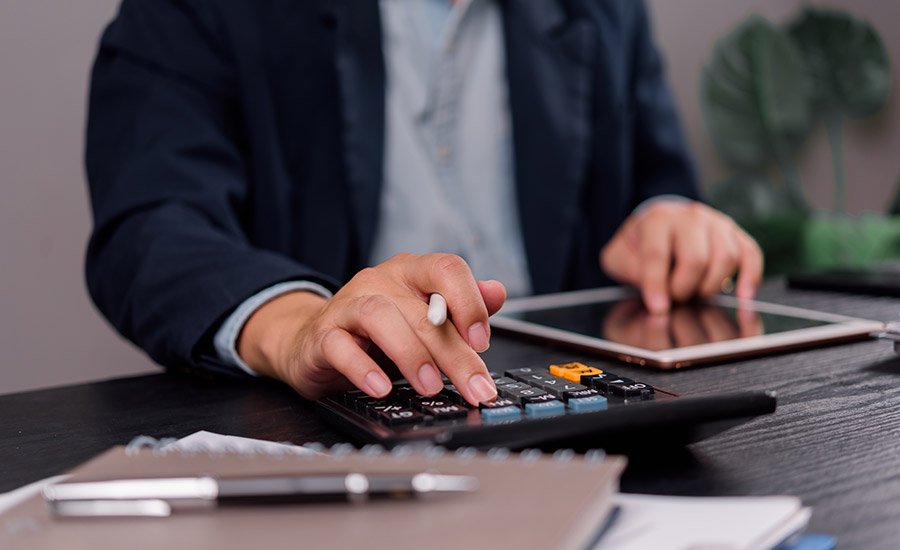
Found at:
(613, 321)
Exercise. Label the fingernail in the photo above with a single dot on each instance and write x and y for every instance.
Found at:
(482, 388)
(378, 383)
(657, 302)
(430, 379)
(478, 337)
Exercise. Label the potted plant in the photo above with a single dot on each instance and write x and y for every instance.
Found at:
(766, 87)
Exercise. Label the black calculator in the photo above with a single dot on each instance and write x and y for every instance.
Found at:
(571, 405)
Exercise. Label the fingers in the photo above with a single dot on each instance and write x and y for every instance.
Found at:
(380, 320)
(388, 306)
(693, 257)
(751, 264)
(451, 277)
(341, 350)
(494, 295)
(656, 261)
(674, 251)
(724, 260)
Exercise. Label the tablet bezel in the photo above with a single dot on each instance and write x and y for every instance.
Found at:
(843, 329)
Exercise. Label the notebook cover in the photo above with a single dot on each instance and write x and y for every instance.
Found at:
(523, 501)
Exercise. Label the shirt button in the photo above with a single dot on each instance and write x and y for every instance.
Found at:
(443, 152)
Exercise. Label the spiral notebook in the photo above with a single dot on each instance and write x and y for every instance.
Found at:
(527, 500)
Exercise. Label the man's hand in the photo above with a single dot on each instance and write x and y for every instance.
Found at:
(674, 250)
(319, 346)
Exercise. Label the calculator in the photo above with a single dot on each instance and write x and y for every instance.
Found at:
(571, 405)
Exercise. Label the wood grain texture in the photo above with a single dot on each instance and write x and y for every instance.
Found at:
(834, 440)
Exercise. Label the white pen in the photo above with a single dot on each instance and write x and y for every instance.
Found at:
(437, 309)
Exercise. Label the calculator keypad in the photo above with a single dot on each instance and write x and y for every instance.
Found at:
(524, 393)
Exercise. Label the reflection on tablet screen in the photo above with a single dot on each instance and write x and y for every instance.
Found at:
(628, 322)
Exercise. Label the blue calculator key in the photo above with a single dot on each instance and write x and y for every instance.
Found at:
(501, 414)
(587, 404)
(545, 409)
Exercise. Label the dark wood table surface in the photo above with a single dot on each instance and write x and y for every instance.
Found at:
(834, 440)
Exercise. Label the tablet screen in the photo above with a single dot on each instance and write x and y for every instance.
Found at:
(627, 322)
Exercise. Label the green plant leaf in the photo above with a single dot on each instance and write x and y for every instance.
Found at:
(845, 58)
(750, 199)
(755, 96)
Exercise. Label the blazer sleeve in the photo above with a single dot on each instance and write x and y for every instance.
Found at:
(168, 258)
(662, 162)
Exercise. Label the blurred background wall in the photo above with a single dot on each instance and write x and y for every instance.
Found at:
(50, 333)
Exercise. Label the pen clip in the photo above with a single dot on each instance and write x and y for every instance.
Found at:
(111, 508)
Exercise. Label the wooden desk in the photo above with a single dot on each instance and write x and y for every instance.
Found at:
(834, 441)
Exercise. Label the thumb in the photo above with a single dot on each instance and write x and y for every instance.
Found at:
(494, 295)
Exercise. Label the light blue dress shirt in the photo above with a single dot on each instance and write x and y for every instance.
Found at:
(448, 176)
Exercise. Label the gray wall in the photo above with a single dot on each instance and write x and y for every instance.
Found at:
(686, 31)
(50, 333)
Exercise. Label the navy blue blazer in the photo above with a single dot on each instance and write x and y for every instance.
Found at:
(234, 144)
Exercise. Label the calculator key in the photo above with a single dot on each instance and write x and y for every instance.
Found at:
(626, 387)
(397, 415)
(419, 403)
(446, 412)
(374, 407)
(536, 378)
(506, 389)
(451, 392)
(351, 396)
(498, 403)
(503, 380)
(544, 410)
(572, 371)
(601, 381)
(562, 388)
(588, 404)
(520, 372)
(495, 374)
(520, 395)
(501, 414)
(580, 394)
(539, 398)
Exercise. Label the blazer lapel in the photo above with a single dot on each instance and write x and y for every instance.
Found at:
(548, 57)
(361, 76)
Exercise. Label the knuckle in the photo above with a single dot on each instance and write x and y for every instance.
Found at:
(331, 339)
(368, 276)
(693, 259)
(373, 305)
(450, 264)
(423, 326)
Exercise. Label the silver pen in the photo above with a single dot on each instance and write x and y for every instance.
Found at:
(159, 497)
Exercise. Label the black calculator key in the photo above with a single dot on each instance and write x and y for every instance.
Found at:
(373, 407)
(498, 403)
(524, 371)
(507, 389)
(495, 374)
(535, 379)
(626, 387)
(351, 396)
(502, 381)
(562, 388)
(451, 392)
(601, 381)
(446, 412)
(539, 398)
(519, 395)
(420, 403)
(396, 415)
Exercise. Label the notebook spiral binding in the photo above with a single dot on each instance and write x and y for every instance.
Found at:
(163, 446)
